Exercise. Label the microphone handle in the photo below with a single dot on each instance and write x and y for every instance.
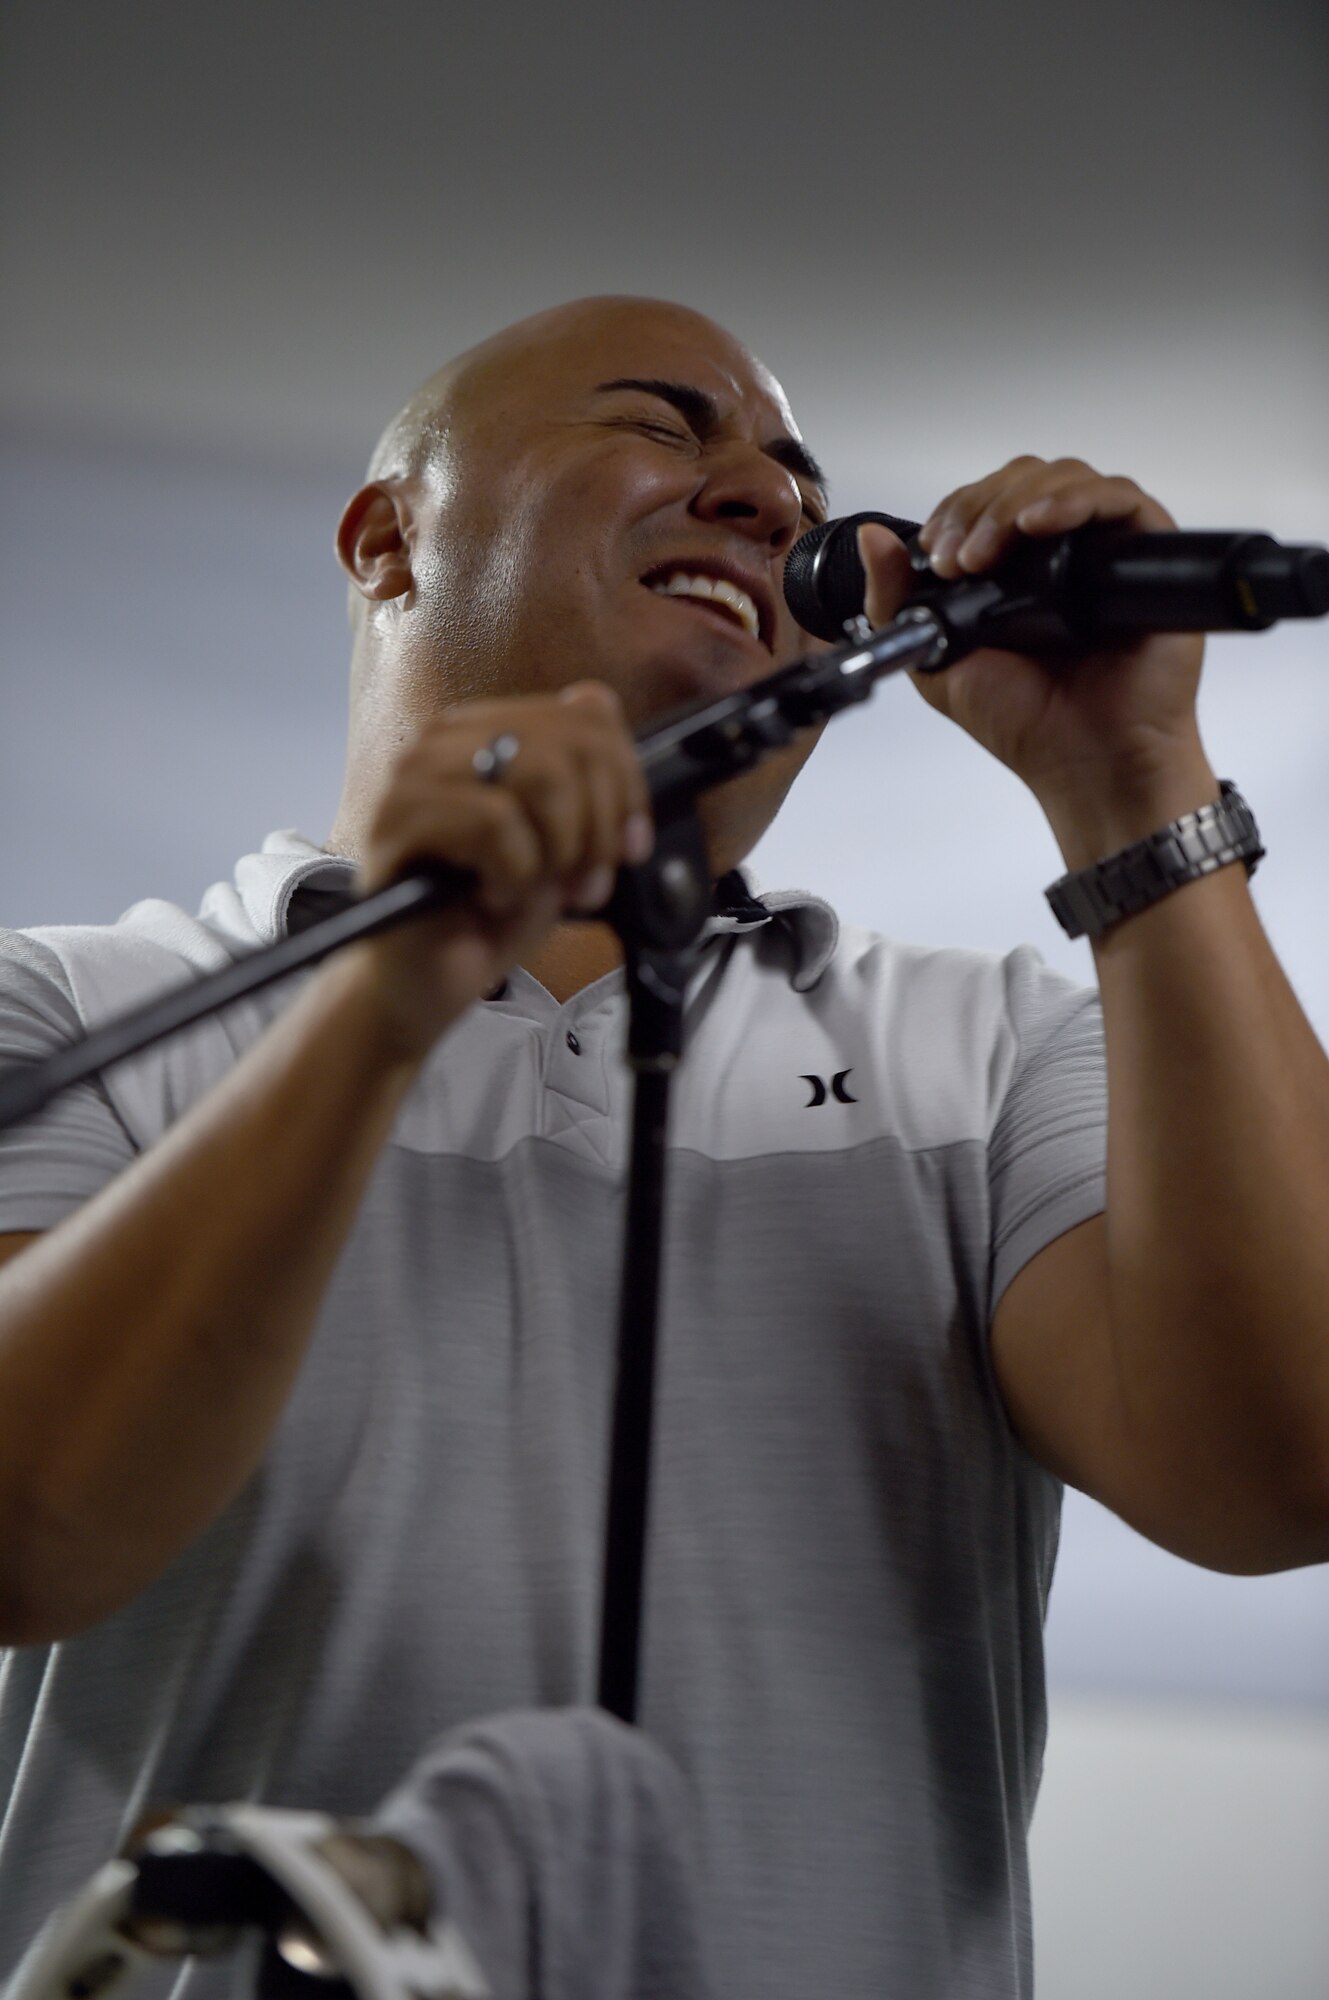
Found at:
(1076, 590)
(1098, 584)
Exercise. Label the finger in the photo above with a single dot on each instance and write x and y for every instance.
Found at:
(587, 796)
(605, 814)
(1036, 498)
(590, 890)
(611, 781)
(887, 568)
(490, 835)
(976, 526)
(621, 829)
(595, 695)
(550, 784)
(575, 776)
(631, 809)
(992, 533)
(1077, 501)
(511, 854)
(593, 883)
(951, 519)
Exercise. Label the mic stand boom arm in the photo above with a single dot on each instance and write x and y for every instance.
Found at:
(659, 910)
(698, 748)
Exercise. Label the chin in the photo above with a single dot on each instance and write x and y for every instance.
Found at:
(684, 681)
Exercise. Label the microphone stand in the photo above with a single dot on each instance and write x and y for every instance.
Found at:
(658, 910)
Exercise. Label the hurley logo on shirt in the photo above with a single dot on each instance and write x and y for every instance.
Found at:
(838, 1090)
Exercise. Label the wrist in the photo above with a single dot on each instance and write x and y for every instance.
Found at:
(1108, 810)
(388, 1044)
(1092, 901)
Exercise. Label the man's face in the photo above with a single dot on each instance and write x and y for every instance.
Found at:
(632, 447)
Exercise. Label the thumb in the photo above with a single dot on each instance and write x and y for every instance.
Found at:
(598, 693)
(885, 561)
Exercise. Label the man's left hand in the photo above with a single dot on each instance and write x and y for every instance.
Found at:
(1090, 727)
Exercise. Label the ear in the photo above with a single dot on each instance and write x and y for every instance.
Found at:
(373, 542)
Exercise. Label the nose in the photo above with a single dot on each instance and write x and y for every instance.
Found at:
(752, 494)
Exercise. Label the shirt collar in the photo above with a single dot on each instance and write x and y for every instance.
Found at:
(810, 922)
(290, 883)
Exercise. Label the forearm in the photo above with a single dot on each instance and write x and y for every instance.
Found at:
(148, 1344)
(1218, 1173)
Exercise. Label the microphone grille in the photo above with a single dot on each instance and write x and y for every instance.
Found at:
(824, 582)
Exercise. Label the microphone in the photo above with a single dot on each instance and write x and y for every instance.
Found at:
(1075, 591)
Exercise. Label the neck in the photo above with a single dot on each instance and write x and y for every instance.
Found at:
(574, 956)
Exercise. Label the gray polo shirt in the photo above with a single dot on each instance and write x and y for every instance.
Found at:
(850, 1553)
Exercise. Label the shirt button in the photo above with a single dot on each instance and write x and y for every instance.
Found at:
(573, 1043)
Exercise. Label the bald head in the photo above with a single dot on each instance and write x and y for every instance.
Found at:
(419, 433)
(526, 506)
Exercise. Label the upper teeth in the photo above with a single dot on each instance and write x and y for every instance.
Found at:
(718, 589)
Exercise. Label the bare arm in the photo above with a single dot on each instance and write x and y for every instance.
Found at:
(149, 1342)
(1171, 1357)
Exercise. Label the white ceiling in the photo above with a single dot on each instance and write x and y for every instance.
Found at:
(955, 231)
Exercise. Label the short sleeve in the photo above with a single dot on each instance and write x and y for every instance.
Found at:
(53, 1162)
(1047, 1155)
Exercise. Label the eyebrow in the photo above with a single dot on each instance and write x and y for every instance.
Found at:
(702, 413)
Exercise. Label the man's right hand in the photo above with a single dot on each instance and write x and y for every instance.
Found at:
(149, 1341)
(545, 842)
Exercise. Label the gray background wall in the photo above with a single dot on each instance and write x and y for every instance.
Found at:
(234, 238)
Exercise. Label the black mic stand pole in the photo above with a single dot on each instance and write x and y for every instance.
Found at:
(659, 911)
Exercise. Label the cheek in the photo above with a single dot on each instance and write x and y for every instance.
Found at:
(543, 538)
(525, 579)
(602, 510)
(572, 545)
(467, 590)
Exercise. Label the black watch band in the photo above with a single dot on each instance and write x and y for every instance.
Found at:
(1086, 902)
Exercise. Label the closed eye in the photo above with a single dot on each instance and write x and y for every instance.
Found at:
(654, 428)
(812, 512)
(658, 426)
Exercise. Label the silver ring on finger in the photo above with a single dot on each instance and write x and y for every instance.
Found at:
(490, 762)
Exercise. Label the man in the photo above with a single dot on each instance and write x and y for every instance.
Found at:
(303, 1391)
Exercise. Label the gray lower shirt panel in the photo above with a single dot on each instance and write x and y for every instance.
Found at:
(849, 1566)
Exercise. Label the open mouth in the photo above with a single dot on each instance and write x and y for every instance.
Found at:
(719, 595)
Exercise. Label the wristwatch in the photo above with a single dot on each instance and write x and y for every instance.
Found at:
(1087, 901)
